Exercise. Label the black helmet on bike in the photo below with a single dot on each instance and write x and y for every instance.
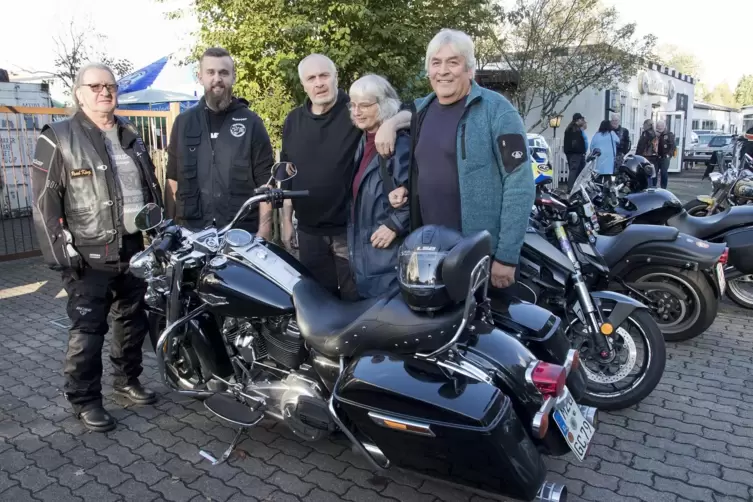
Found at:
(420, 261)
(639, 170)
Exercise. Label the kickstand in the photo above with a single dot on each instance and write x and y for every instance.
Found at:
(227, 453)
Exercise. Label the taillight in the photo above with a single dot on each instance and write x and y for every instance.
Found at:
(725, 256)
(549, 379)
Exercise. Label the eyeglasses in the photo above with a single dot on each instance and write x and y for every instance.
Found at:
(97, 88)
(362, 106)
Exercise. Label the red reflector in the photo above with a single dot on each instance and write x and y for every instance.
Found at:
(549, 378)
(725, 256)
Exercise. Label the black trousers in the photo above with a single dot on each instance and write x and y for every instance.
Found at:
(327, 259)
(91, 297)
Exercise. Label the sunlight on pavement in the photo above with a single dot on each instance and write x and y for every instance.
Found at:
(22, 290)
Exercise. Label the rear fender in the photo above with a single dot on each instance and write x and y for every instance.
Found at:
(685, 252)
(621, 310)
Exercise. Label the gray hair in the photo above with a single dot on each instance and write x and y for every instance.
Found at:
(660, 124)
(312, 57)
(79, 80)
(377, 87)
(460, 42)
(614, 116)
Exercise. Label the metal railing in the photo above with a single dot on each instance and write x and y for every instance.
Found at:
(20, 128)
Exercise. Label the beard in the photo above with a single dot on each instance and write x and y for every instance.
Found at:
(218, 98)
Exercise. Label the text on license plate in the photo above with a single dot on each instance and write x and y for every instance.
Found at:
(577, 431)
(720, 277)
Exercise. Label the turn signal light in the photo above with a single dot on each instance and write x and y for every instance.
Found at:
(549, 378)
(607, 329)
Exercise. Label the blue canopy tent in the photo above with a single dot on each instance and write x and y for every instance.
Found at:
(158, 84)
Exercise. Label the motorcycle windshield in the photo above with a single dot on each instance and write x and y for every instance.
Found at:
(583, 178)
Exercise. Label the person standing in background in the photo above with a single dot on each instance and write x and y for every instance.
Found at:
(623, 135)
(665, 152)
(574, 146)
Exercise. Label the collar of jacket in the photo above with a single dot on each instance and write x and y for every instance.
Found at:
(473, 96)
(126, 131)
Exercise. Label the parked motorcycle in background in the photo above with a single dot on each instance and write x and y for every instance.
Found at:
(732, 228)
(240, 323)
(732, 187)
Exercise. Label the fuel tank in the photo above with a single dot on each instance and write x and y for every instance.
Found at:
(235, 289)
(653, 206)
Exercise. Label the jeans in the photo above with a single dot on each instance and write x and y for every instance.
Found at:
(575, 163)
(91, 298)
(326, 257)
(663, 172)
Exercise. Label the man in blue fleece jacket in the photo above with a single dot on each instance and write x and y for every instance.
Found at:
(469, 159)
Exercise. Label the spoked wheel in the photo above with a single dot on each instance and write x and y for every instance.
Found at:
(633, 367)
(740, 291)
(683, 302)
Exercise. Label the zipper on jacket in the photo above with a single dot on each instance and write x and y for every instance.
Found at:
(462, 142)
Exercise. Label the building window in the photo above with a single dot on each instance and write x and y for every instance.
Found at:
(709, 125)
(695, 124)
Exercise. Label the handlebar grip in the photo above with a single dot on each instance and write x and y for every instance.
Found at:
(167, 242)
(295, 194)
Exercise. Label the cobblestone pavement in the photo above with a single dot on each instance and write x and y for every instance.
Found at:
(692, 439)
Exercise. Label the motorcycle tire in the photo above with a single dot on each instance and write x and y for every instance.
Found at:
(655, 347)
(738, 297)
(705, 303)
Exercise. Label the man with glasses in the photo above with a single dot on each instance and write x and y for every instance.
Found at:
(90, 176)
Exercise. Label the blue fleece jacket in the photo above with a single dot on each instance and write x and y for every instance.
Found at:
(497, 190)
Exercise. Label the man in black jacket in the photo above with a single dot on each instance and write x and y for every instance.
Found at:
(91, 174)
(574, 146)
(219, 152)
(623, 148)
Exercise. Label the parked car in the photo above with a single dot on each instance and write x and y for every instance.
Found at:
(709, 143)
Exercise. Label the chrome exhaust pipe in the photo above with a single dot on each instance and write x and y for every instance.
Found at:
(591, 414)
(552, 492)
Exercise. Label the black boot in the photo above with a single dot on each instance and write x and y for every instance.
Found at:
(97, 420)
(136, 393)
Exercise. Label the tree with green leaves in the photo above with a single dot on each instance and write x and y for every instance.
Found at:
(744, 91)
(268, 38)
(559, 48)
(721, 95)
(679, 59)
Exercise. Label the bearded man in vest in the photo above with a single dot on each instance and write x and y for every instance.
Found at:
(219, 153)
(90, 176)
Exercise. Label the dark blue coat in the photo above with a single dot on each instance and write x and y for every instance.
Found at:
(375, 270)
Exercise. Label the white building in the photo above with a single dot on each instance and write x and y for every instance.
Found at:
(747, 117)
(709, 117)
(656, 92)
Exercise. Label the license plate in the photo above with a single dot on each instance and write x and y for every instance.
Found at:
(720, 277)
(577, 431)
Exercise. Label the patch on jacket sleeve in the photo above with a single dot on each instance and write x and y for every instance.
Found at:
(80, 172)
(512, 147)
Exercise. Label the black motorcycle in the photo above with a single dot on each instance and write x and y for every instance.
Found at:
(732, 227)
(240, 323)
(621, 346)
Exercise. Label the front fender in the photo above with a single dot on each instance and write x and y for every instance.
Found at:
(623, 306)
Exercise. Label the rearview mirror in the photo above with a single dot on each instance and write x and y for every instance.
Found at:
(148, 217)
(283, 171)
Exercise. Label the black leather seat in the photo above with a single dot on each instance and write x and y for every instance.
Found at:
(336, 328)
(614, 248)
(705, 227)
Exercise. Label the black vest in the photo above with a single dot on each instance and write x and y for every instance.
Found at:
(93, 200)
(214, 183)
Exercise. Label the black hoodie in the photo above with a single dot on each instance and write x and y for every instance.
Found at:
(323, 148)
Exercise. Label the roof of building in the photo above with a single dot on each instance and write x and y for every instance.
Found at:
(711, 106)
